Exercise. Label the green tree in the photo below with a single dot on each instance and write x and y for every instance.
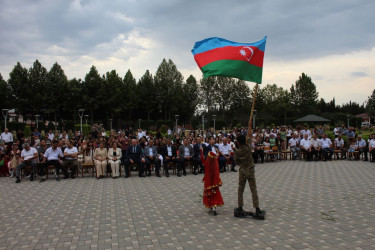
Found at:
(224, 93)
(168, 83)
(241, 105)
(352, 108)
(304, 95)
(275, 103)
(112, 93)
(38, 80)
(5, 94)
(207, 92)
(73, 98)
(91, 91)
(190, 97)
(370, 106)
(19, 84)
(56, 89)
(130, 97)
(146, 93)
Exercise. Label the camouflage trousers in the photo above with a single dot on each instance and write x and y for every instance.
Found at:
(247, 175)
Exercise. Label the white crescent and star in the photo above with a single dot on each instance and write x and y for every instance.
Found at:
(247, 52)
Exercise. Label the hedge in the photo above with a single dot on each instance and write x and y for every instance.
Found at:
(85, 129)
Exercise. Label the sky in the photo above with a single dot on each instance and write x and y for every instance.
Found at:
(332, 41)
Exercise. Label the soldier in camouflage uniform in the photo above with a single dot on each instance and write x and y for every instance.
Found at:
(244, 159)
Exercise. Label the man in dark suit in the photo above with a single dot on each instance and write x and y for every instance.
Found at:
(169, 154)
(185, 154)
(134, 154)
(151, 157)
(197, 155)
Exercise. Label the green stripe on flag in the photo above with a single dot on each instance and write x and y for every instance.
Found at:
(233, 68)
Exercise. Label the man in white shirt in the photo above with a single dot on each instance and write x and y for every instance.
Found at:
(337, 131)
(51, 135)
(305, 145)
(294, 146)
(316, 146)
(51, 157)
(29, 156)
(371, 146)
(306, 131)
(326, 148)
(226, 154)
(7, 137)
(339, 145)
(362, 147)
(70, 158)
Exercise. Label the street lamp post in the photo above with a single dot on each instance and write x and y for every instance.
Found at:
(214, 117)
(347, 117)
(110, 124)
(176, 117)
(5, 114)
(86, 117)
(80, 113)
(37, 121)
(139, 123)
(254, 115)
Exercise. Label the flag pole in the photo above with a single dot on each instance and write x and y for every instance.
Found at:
(249, 131)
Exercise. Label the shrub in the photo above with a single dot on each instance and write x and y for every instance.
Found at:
(50, 126)
(163, 129)
(195, 123)
(27, 131)
(68, 125)
(16, 126)
(85, 129)
(219, 125)
(330, 135)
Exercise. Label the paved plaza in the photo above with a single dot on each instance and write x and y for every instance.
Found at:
(317, 205)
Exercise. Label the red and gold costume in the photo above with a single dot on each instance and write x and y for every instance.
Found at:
(211, 194)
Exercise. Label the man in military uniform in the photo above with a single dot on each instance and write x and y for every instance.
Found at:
(244, 159)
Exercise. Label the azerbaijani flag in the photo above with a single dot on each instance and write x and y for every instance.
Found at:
(219, 57)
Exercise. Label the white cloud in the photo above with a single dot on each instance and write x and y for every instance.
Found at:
(331, 74)
(324, 39)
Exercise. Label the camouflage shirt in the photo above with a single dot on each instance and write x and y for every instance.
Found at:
(243, 156)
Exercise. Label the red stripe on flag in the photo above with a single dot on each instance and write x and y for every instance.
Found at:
(231, 53)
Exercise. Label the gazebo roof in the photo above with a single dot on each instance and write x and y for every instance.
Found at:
(312, 118)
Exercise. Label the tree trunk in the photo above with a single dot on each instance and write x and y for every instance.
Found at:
(165, 112)
(92, 116)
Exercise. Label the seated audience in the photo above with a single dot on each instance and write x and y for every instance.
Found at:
(114, 156)
(52, 157)
(340, 146)
(362, 147)
(100, 156)
(185, 154)
(226, 154)
(29, 157)
(327, 149)
(294, 146)
(151, 154)
(134, 154)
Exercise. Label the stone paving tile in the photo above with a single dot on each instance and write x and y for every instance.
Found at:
(316, 205)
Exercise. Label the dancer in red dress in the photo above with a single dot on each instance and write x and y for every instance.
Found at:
(211, 195)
